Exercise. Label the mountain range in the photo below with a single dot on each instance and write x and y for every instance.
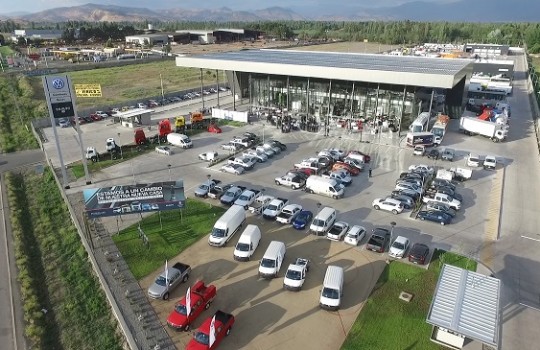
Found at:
(456, 11)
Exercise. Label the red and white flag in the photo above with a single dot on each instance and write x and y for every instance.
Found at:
(212, 332)
(188, 301)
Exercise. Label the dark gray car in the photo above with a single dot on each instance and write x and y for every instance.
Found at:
(448, 154)
(408, 202)
(231, 195)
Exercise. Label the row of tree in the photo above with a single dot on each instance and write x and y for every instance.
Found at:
(396, 32)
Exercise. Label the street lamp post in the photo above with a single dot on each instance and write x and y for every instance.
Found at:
(263, 131)
(169, 166)
(121, 154)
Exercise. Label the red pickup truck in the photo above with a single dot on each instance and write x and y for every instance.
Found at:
(200, 295)
(223, 323)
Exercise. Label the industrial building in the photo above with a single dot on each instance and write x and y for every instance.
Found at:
(149, 39)
(486, 50)
(325, 84)
(200, 36)
(43, 34)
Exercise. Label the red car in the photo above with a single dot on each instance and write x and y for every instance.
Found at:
(214, 128)
(340, 165)
(96, 117)
(222, 323)
(367, 158)
(201, 296)
(306, 171)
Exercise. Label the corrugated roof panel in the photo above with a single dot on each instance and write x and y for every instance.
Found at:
(467, 303)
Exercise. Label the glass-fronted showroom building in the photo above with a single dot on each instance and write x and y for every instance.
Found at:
(326, 84)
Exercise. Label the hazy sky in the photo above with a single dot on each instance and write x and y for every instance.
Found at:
(297, 5)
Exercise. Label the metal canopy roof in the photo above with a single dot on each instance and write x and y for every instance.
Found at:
(133, 112)
(467, 303)
(400, 70)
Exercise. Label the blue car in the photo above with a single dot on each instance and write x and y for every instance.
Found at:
(302, 220)
(435, 216)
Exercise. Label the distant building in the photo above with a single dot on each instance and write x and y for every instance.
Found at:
(201, 36)
(150, 39)
(232, 35)
(43, 34)
(486, 50)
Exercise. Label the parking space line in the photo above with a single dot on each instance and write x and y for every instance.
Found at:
(491, 230)
(532, 239)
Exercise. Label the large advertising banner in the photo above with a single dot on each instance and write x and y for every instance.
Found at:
(230, 115)
(131, 199)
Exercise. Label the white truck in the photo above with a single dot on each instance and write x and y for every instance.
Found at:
(288, 213)
(247, 197)
(274, 208)
(260, 204)
(296, 274)
(473, 126)
(443, 198)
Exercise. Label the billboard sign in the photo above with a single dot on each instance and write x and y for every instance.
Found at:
(230, 115)
(58, 95)
(132, 199)
(87, 90)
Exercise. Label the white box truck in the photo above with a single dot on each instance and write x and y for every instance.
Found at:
(473, 126)
(227, 225)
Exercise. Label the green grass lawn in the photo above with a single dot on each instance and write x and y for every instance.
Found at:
(6, 51)
(136, 81)
(387, 323)
(178, 233)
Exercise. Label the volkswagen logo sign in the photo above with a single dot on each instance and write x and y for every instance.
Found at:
(58, 83)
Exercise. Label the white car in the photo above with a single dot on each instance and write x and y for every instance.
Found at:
(422, 167)
(236, 169)
(164, 150)
(388, 204)
(473, 160)
(490, 162)
(354, 163)
(63, 123)
(419, 150)
(355, 235)
(399, 247)
(268, 151)
(230, 147)
(437, 140)
(259, 157)
(102, 114)
(274, 149)
(208, 156)
(338, 152)
(338, 231)
(408, 186)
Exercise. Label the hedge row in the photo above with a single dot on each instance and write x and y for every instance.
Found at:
(78, 316)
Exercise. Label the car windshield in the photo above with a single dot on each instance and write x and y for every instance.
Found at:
(203, 187)
(229, 194)
(398, 245)
(318, 222)
(330, 293)
(243, 247)
(218, 232)
(181, 309)
(294, 275)
(243, 198)
(272, 207)
(352, 235)
(201, 338)
(161, 281)
(268, 263)
(303, 216)
(335, 230)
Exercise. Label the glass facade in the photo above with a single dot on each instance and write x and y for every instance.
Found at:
(323, 101)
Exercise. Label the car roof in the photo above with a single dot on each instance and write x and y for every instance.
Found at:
(391, 200)
(401, 239)
(419, 246)
(356, 229)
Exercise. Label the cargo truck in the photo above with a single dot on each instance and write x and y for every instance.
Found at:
(473, 126)
(420, 139)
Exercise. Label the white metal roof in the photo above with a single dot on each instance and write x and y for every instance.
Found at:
(133, 112)
(467, 303)
(385, 69)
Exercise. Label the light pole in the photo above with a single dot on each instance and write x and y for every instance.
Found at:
(263, 131)
(393, 224)
(121, 154)
(169, 166)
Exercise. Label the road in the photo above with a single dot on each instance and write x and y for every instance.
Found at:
(11, 332)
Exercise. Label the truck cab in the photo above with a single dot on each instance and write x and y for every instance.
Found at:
(220, 324)
(169, 280)
(200, 298)
(296, 274)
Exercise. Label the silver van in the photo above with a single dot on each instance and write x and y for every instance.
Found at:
(272, 260)
(332, 289)
(323, 221)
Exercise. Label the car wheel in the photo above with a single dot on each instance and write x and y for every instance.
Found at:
(422, 219)
(166, 296)
(207, 306)
(186, 277)
(336, 197)
(394, 211)
(442, 223)
(277, 183)
(376, 207)
(311, 191)
(186, 327)
(228, 331)
(293, 187)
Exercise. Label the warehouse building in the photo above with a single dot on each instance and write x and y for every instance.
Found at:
(326, 84)
(149, 39)
(486, 50)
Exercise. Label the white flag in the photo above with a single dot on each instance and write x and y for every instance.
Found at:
(166, 274)
(188, 301)
(212, 331)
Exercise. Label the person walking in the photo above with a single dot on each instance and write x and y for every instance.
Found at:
(369, 171)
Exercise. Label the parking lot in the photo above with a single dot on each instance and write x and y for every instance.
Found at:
(267, 316)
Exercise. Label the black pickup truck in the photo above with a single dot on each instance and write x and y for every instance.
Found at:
(378, 240)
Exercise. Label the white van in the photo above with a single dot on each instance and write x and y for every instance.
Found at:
(248, 242)
(227, 225)
(326, 187)
(323, 221)
(332, 289)
(359, 157)
(272, 260)
(179, 140)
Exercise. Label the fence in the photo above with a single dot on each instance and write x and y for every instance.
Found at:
(534, 95)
